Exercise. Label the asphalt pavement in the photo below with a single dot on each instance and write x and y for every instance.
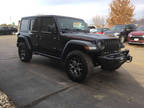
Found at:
(43, 83)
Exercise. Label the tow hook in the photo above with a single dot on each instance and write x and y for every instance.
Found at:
(129, 59)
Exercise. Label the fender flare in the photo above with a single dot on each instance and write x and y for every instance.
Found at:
(76, 43)
(26, 40)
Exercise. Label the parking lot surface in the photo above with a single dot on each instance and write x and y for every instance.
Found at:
(43, 83)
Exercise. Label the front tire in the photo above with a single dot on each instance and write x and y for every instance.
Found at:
(78, 66)
(25, 54)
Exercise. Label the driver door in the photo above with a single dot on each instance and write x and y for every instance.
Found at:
(48, 38)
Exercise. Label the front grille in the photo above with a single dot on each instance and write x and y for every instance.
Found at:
(138, 37)
(111, 45)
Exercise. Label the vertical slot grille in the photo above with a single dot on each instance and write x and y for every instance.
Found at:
(111, 45)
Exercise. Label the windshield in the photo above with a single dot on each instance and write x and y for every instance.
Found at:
(71, 25)
(140, 28)
(117, 28)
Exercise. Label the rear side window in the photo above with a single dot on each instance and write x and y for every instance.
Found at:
(24, 25)
(48, 25)
(34, 25)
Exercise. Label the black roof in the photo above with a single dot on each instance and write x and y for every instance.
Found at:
(39, 16)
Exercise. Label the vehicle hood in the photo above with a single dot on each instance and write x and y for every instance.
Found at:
(111, 33)
(137, 33)
(87, 36)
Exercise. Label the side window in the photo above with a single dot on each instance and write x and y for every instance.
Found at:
(24, 25)
(133, 27)
(34, 25)
(48, 25)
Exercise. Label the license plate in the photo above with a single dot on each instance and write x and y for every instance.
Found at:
(136, 39)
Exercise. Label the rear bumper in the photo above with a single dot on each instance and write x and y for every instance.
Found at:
(115, 58)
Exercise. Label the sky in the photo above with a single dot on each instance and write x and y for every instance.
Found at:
(14, 10)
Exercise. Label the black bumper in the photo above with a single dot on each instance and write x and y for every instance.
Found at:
(115, 58)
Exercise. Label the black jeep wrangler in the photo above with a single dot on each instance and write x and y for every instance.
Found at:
(68, 39)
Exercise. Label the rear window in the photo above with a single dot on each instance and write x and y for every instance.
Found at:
(131, 26)
(24, 25)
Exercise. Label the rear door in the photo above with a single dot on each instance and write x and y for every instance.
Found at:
(34, 34)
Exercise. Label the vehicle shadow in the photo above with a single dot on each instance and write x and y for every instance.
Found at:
(120, 78)
(120, 83)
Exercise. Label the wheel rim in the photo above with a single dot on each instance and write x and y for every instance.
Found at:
(22, 53)
(75, 67)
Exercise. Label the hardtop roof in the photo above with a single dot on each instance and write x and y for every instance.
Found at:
(41, 16)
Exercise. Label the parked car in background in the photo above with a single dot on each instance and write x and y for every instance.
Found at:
(98, 30)
(121, 31)
(13, 29)
(91, 27)
(5, 30)
(136, 37)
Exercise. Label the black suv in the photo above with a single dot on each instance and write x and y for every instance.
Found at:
(68, 39)
(121, 31)
(5, 30)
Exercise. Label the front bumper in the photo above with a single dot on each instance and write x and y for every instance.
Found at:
(136, 43)
(115, 59)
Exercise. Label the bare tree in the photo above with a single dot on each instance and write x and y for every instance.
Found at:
(140, 21)
(99, 21)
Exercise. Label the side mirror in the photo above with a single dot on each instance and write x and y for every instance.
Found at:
(52, 29)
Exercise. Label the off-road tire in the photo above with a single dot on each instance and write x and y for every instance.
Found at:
(78, 66)
(25, 54)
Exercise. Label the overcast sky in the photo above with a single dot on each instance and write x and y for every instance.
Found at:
(13, 10)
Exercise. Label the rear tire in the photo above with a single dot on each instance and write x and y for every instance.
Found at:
(78, 66)
(25, 54)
